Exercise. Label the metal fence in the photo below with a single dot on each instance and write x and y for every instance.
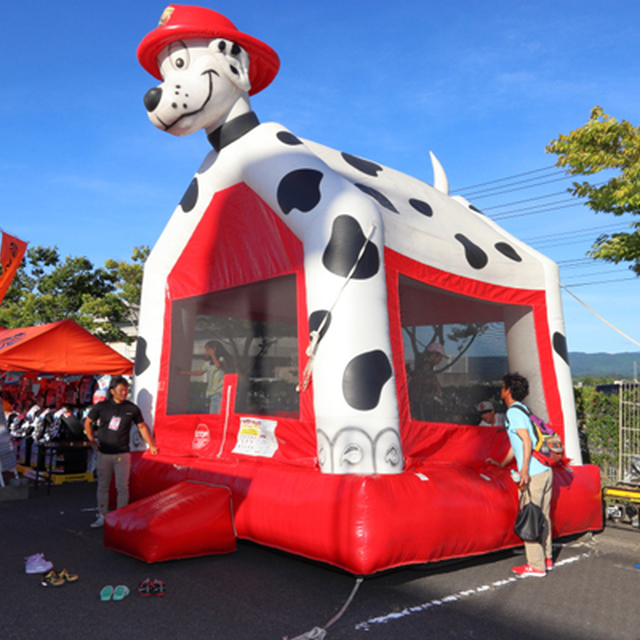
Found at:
(629, 425)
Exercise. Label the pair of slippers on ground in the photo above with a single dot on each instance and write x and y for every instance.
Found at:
(109, 593)
(147, 587)
(57, 578)
(150, 587)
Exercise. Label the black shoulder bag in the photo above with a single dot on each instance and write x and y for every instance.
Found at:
(529, 521)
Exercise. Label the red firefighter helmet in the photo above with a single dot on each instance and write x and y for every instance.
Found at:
(181, 22)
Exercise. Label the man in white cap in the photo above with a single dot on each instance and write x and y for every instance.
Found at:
(488, 415)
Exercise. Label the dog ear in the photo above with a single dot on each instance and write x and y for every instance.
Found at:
(234, 62)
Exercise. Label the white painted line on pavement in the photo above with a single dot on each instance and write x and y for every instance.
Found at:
(456, 597)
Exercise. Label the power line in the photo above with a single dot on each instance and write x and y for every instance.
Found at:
(573, 261)
(542, 177)
(544, 208)
(572, 237)
(602, 273)
(506, 216)
(573, 233)
(510, 204)
(517, 175)
(588, 264)
(498, 192)
(551, 242)
(588, 284)
(549, 206)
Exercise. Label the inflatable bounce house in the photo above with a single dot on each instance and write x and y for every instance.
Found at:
(316, 333)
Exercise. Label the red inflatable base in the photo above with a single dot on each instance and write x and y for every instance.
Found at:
(186, 520)
(365, 524)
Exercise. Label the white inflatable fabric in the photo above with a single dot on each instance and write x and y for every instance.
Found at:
(349, 214)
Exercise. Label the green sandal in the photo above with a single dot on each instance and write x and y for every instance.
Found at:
(106, 593)
(121, 592)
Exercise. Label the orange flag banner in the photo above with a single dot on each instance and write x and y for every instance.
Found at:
(11, 254)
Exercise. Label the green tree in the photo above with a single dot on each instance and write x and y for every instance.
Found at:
(124, 301)
(47, 288)
(460, 335)
(598, 429)
(603, 143)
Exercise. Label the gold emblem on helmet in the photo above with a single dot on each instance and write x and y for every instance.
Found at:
(166, 15)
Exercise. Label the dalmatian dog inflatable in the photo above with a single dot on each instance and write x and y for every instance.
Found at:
(343, 209)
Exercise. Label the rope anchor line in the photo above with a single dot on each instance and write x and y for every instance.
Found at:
(595, 313)
(318, 633)
(316, 333)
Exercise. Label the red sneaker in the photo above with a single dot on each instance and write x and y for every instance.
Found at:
(548, 564)
(527, 570)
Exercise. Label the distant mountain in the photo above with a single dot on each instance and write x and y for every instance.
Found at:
(617, 365)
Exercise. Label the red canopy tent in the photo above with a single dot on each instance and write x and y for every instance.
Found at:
(59, 347)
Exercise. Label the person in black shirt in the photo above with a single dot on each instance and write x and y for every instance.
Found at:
(114, 418)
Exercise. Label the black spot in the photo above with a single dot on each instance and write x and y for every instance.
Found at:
(142, 361)
(370, 168)
(560, 346)
(381, 199)
(343, 249)
(509, 251)
(222, 45)
(364, 378)
(190, 196)
(288, 138)
(316, 319)
(300, 190)
(421, 207)
(234, 70)
(235, 49)
(475, 209)
(476, 257)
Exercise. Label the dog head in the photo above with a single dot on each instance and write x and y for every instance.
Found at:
(204, 82)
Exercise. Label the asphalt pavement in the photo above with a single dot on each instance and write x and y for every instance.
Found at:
(259, 593)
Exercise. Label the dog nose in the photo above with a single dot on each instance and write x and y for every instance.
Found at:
(152, 98)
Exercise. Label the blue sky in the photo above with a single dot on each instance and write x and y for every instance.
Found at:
(484, 85)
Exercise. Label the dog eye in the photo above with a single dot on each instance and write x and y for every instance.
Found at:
(179, 56)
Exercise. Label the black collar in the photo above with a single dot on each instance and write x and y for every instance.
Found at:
(232, 130)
